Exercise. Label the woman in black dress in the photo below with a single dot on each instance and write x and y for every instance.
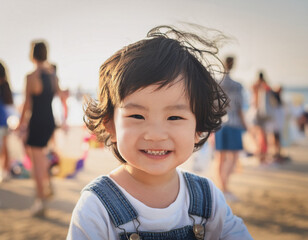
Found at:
(41, 86)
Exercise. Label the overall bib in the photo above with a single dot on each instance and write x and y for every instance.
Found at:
(121, 211)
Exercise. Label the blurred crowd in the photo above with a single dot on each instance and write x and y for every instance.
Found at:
(259, 126)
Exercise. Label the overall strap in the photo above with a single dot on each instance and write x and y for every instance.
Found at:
(119, 208)
(199, 194)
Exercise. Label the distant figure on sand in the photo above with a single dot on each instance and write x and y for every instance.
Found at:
(276, 124)
(41, 86)
(262, 114)
(228, 140)
(6, 99)
(157, 104)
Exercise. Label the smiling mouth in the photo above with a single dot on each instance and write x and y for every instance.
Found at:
(156, 152)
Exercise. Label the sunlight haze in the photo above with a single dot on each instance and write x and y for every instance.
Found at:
(267, 35)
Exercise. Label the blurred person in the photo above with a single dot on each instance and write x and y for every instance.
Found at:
(302, 119)
(228, 140)
(41, 86)
(297, 117)
(262, 113)
(6, 99)
(277, 123)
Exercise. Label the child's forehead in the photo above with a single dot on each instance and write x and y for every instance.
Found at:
(163, 84)
(171, 93)
(161, 87)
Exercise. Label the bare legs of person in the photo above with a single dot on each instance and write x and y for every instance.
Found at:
(42, 179)
(278, 157)
(226, 162)
(260, 141)
(4, 160)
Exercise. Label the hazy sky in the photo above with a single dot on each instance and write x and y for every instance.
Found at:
(269, 35)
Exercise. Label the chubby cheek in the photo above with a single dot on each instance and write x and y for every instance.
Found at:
(187, 140)
(126, 140)
(126, 136)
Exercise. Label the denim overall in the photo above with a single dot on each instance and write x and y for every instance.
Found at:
(121, 211)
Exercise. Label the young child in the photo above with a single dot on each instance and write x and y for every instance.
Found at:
(157, 104)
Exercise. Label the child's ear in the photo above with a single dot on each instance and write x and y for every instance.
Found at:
(110, 128)
(197, 137)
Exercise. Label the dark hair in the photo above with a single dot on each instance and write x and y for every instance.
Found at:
(261, 75)
(6, 96)
(2, 72)
(229, 63)
(159, 59)
(39, 51)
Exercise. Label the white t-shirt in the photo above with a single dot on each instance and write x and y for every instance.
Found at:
(90, 219)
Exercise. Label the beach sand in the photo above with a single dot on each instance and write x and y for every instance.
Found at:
(273, 200)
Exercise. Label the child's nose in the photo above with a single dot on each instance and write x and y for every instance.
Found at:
(156, 132)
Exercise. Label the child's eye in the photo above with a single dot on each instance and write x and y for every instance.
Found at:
(136, 116)
(174, 118)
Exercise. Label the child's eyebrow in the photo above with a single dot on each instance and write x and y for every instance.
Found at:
(169, 108)
(178, 107)
(133, 105)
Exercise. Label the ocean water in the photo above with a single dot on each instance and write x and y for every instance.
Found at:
(298, 97)
(295, 95)
(292, 96)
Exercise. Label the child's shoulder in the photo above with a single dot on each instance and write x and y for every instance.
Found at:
(195, 179)
(102, 185)
(205, 187)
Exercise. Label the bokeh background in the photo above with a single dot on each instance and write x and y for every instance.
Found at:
(263, 35)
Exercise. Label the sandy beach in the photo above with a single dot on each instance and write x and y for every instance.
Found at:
(273, 200)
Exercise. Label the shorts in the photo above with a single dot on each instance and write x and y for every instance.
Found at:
(229, 139)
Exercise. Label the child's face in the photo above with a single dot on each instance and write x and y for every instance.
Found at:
(155, 129)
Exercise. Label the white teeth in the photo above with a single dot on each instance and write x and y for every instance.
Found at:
(152, 152)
